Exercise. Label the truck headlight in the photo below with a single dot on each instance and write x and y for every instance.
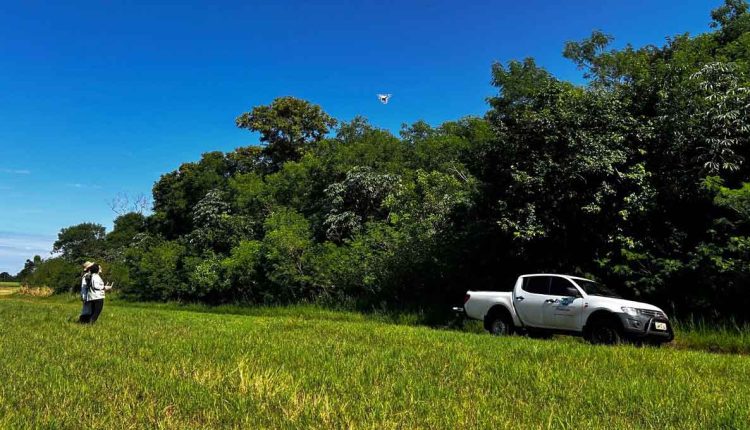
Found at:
(630, 311)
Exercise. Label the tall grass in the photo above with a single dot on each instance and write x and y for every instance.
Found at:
(143, 367)
(727, 337)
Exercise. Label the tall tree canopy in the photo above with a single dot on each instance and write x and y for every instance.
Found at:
(80, 242)
(287, 126)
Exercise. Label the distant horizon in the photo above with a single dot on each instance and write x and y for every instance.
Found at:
(103, 99)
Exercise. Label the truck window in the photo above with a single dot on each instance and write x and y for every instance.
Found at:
(536, 284)
(562, 287)
(593, 289)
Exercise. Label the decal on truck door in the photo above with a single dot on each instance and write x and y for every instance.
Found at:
(566, 307)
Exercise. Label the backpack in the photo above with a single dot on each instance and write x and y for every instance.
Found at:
(86, 287)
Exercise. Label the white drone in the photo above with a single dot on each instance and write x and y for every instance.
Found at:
(384, 98)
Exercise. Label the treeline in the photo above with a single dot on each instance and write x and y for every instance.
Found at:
(7, 277)
(638, 179)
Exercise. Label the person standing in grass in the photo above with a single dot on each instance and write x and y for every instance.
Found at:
(92, 293)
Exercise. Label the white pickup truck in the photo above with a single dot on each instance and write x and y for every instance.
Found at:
(544, 304)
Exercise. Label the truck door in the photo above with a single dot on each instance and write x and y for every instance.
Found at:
(563, 306)
(529, 299)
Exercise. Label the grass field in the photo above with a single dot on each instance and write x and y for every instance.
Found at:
(8, 288)
(157, 367)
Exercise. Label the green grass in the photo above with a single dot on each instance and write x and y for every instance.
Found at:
(722, 338)
(158, 367)
(725, 338)
(6, 284)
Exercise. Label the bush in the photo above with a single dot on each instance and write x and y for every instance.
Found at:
(156, 271)
(35, 291)
(287, 241)
(242, 271)
(118, 274)
(56, 273)
(206, 281)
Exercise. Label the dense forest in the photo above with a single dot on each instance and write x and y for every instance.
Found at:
(637, 178)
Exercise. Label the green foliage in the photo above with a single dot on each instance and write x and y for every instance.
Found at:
(286, 245)
(57, 273)
(724, 107)
(243, 271)
(216, 228)
(118, 274)
(207, 281)
(738, 200)
(157, 271)
(28, 268)
(425, 206)
(287, 126)
(356, 199)
(126, 227)
(251, 195)
(176, 193)
(80, 242)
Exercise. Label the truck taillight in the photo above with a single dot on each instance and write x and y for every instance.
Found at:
(466, 298)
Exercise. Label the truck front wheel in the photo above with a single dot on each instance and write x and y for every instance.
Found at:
(604, 332)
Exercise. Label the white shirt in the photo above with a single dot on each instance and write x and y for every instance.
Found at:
(96, 291)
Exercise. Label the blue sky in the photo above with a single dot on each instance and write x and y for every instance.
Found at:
(99, 98)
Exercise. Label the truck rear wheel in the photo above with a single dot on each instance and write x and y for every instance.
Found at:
(499, 326)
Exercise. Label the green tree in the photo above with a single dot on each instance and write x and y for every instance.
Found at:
(287, 126)
(80, 242)
(731, 19)
(177, 193)
(58, 273)
(126, 227)
(356, 199)
(157, 270)
(217, 229)
(244, 272)
(207, 281)
(28, 268)
(286, 245)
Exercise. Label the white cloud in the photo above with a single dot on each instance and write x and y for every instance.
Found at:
(16, 248)
(16, 171)
(94, 187)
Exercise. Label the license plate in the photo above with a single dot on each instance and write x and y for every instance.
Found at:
(660, 326)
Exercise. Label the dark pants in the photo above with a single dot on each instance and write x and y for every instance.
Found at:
(95, 309)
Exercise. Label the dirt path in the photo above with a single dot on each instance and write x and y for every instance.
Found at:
(6, 291)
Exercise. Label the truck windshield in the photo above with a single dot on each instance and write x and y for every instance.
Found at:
(593, 289)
